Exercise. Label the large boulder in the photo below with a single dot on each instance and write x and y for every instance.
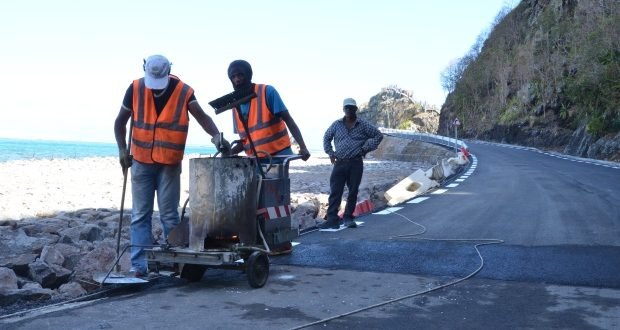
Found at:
(98, 260)
(48, 275)
(8, 279)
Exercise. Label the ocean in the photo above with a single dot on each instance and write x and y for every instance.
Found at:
(20, 149)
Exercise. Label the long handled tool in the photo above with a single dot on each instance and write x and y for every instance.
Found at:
(120, 220)
(234, 101)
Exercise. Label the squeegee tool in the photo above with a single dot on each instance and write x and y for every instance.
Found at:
(232, 100)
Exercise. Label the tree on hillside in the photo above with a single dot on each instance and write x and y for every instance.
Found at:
(547, 69)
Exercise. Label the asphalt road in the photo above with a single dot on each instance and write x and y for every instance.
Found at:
(549, 258)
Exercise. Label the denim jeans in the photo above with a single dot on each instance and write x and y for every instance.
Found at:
(349, 172)
(146, 179)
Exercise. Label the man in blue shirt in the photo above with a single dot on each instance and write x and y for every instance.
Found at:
(353, 138)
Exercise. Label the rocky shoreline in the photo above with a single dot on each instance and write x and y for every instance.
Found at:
(59, 218)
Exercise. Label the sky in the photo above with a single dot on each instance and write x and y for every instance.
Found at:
(67, 63)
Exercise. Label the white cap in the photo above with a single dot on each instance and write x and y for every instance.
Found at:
(349, 101)
(156, 70)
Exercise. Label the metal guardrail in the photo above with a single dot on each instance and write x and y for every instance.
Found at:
(425, 137)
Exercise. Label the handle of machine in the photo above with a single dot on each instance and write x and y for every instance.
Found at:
(268, 156)
(285, 163)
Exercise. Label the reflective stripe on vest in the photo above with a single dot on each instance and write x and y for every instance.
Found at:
(159, 139)
(268, 132)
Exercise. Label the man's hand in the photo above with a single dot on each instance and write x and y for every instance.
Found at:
(332, 158)
(305, 154)
(125, 158)
(221, 144)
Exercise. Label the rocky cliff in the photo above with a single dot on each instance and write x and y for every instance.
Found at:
(546, 76)
(395, 107)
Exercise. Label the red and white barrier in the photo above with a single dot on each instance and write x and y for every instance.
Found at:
(361, 208)
(275, 212)
(465, 152)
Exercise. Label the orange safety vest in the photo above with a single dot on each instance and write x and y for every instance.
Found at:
(267, 131)
(159, 139)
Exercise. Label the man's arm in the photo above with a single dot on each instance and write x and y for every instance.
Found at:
(209, 126)
(327, 140)
(203, 119)
(374, 139)
(292, 126)
(120, 128)
(120, 131)
(327, 143)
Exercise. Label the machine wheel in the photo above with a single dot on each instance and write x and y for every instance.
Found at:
(257, 269)
(192, 272)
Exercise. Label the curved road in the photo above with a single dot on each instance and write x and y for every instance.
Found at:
(559, 219)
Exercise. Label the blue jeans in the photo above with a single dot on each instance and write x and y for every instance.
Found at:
(345, 172)
(146, 179)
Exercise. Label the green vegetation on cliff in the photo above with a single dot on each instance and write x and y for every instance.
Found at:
(547, 68)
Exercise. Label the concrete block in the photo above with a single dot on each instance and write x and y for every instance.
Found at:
(415, 184)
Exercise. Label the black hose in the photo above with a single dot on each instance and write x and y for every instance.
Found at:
(183, 209)
(244, 122)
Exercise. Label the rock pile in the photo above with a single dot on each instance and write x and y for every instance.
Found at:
(54, 255)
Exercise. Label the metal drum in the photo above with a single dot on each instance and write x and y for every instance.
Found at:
(223, 202)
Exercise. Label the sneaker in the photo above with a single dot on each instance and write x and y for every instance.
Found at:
(138, 273)
(329, 225)
(350, 224)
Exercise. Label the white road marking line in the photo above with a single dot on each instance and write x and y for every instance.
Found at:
(417, 200)
(389, 210)
(439, 191)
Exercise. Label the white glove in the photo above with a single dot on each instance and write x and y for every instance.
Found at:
(221, 144)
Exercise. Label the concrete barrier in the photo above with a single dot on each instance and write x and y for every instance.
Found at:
(420, 181)
(415, 184)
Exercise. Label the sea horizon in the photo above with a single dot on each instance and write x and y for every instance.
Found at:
(32, 149)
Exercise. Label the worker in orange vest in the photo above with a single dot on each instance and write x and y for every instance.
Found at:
(159, 105)
(266, 116)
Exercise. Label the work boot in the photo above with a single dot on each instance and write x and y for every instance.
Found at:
(350, 223)
(329, 224)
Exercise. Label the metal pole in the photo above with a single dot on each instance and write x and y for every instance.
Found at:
(456, 129)
(120, 220)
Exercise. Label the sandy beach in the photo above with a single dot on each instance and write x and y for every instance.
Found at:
(42, 188)
(60, 219)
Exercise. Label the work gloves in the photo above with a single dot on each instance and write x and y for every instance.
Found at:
(125, 158)
(221, 144)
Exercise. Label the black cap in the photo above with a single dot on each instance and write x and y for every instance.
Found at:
(242, 66)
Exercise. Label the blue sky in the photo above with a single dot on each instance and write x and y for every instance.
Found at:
(68, 63)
